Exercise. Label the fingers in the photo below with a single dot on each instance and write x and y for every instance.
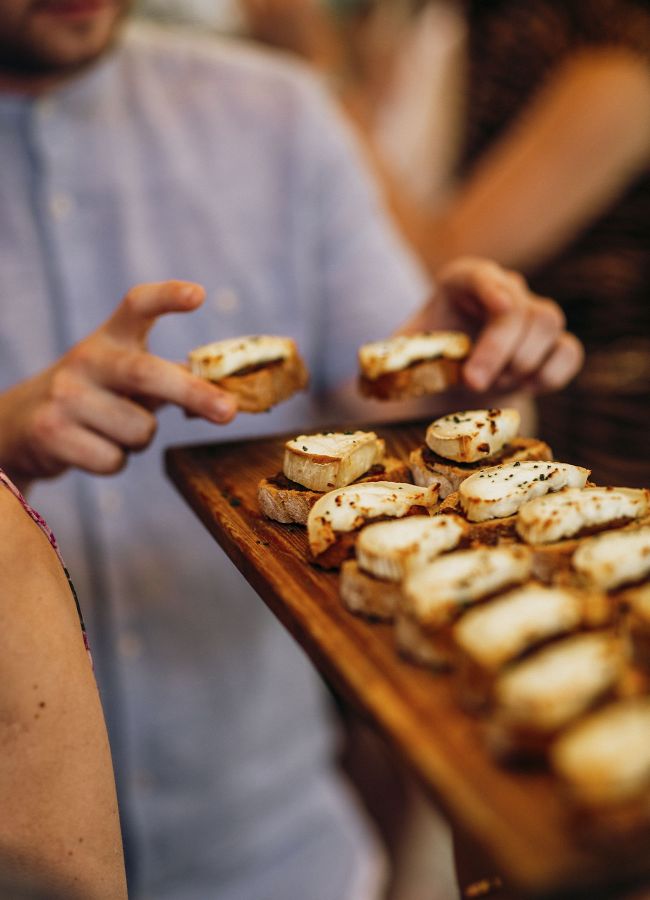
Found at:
(135, 373)
(66, 443)
(562, 364)
(143, 304)
(127, 424)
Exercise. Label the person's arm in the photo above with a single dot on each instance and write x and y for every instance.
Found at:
(582, 140)
(59, 828)
(96, 404)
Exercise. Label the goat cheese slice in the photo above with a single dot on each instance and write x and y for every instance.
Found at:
(348, 508)
(605, 758)
(221, 358)
(561, 681)
(499, 491)
(388, 550)
(438, 591)
(394, 354)
(615, 558)
(563, 514)
(498, 632)
(470, 436)
(322, 462)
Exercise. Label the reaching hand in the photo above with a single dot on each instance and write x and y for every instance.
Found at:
(96, 404)
(520, 340)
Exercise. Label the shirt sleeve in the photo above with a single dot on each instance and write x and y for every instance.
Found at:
(369, 282)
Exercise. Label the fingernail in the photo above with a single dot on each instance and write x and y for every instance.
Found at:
(476, 377)
(224, 408)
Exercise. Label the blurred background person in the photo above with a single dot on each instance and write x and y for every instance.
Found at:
(535, 122)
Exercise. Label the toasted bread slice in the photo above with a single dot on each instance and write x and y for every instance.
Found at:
(490, 533)
(365, 595)
(335, 520)
(286, 501)
(429, 468)
(386, 551)
(535, 699)
(260, 370)
(436, 595)
(605, 758)
(614, 559)
(412, 365)
(495, 634)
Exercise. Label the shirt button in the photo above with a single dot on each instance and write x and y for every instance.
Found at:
(226, 301)
(60, 205)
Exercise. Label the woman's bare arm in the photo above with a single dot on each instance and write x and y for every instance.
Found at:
(59, 827)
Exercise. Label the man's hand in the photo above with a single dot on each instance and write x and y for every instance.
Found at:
(96, 404)
(520, 341)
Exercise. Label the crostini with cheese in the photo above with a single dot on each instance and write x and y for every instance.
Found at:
(412, 365)
(491, 498)
(460, 444)
(317, 463)
(386, 552)
(555, 524)
(534, 700)
(334, 522)
(260, 370)
(491, 637)
(436, 596)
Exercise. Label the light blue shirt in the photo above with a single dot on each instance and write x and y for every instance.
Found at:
(176, 158)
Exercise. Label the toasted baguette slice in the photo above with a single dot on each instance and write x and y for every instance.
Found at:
(260, 370)
(637, 602)
(605, 758)
(499, 491)
(436, 595)
(386, 551)
(335, 520)
(537, 698)
(286, 501)
(495, 634)
(614, 559)
(429, 468)
(412, 365)
(365, 595)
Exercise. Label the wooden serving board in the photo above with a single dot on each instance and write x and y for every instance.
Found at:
(519, 818)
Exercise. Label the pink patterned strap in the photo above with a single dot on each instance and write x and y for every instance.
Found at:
(42, 524)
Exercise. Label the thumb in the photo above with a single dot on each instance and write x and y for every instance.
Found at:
(143, 304)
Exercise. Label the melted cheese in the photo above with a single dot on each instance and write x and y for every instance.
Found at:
(437, 592)
(560, 682)
(469, 436)
(322, 462)
(606, 757)
(615, 558)
(564, 514)
(496, 633)
(400, 352)
(348, 508)
(499, 491)
(221, 358)
(388, 550)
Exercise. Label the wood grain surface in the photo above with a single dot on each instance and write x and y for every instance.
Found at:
(519, 818)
